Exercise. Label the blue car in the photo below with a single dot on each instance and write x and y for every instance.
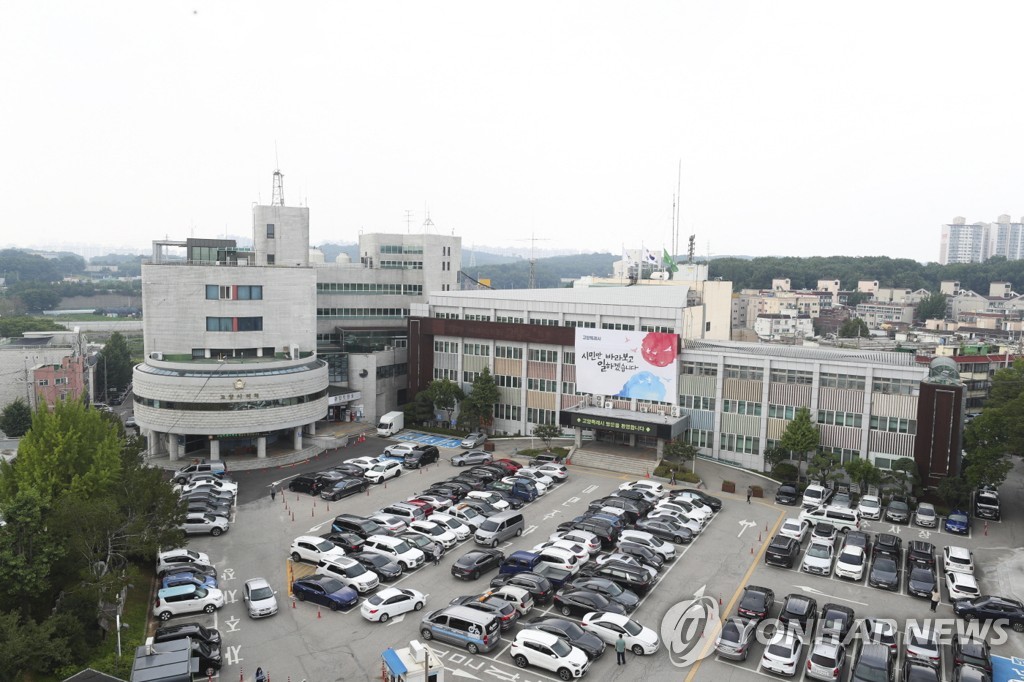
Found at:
(958, 521)
(185, 577)
(326, 591)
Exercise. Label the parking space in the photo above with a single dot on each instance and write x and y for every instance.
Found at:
(428, 439)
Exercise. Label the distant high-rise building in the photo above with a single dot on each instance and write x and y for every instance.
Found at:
(1006, 238)
(963, 243)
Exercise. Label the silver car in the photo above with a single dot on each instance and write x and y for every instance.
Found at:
(260, 598)
(735, 638)
(472, 457)
(826, 660)
(198, 522)
(474, 440)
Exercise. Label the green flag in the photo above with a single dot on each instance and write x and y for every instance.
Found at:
(666, 259)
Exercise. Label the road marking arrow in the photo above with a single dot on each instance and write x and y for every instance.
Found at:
(463, 673)
(746, 524)
(811, 590)
(397, 619)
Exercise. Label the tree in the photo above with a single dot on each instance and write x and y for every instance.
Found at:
(932, 308)
(445, 395)
(547, 432)
(905, 475)
(864, 473)
(29, 553)
(16, 325)
(824, 467)
(16, 419)
(987, 467)
(1007, 385)
(775, 456)
(854, 328)
(421, 410)
(801, 435)
(955, 492)
(679, 451)
(114, 367)
(477, 410)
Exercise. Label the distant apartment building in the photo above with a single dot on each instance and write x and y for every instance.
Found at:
(778, 327)
(1006, 238)
(21, 357)
(879, 315)
(963, 243)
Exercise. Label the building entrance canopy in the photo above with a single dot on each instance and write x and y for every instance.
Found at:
(647, 424)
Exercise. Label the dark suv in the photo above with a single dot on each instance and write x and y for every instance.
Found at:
(422, 455)
(363, 527)
(799, 611)
(306, 483)
(782, 551)
(886, 543)
(874, 663)
(920, 552)
(788, 494)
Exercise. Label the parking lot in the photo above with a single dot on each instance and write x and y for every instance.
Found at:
(303, 642)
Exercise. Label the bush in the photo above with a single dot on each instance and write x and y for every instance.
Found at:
(688, 476)
(785, 472)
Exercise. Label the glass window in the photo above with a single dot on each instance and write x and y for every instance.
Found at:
(212, 292)
(270, 230)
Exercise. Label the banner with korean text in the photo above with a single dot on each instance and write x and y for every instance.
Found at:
(628, 364)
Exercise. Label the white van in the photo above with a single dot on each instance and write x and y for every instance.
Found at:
(842, 518)
(815, 496)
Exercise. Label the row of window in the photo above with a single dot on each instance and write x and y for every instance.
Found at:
(893, 424)
(234, 324)
(742, 407)
(541, 355)
(849, 381)
(543, 322)
(504, 411)
(535, 415)
(390, 371)
(621, 326)
(744, 372)
(446, 346)
(509, 320)
(230, 405)
(402, 248)
(731, 442)
(840, 418)
(369, 288)
(511, 352)
(401, 265)
(507, 381)
(58, 381)
(657, 328)
(481, 349)
(546, 385)
(792, 376)
(697, 402)
(583, 324)
(363, 312)
(234, 292)
(449, 374)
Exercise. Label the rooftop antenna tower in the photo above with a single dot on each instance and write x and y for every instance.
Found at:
(690, 249)
(533, 258)
(278, 196)
(408, 221)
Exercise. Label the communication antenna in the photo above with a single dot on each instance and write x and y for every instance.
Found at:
(691, 248)
(533, 257)
(278, 196)
(408, 221)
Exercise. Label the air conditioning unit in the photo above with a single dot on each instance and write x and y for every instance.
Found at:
(608, 404)
(156, 356)
(645, 409)
(675, 411)
(598, 400)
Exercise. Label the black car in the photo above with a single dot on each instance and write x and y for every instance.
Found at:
(921, 580)
(800, 612)
(888, 544)
(629, 577)
(920, 552)
(485, 474)
(782, 551)
(917, 671)
(325, 591)
(875, 664)
(204, 506)
(513, 501)
(968, 673)
(350, 542)
(837, 619)
(636, 497)
(710, 500)
(496, 605)
(360, 525)
(386, 569)
(305, 483)
(971, 651)
(756, 603)
(350, 470)
(539, 587)
(606, 532)
(609, 589)
(587, 642)
(898, 510)
(581, 602)
(632, 509)
(169, 633)
(473, 482)
(989, 608)
(666, 529)
(481, 506)
(788, 494)
(421, 456)
(461, 487)
(644, 555)
(885, 573)
(344, 488)
(475, 562)
(448, 492)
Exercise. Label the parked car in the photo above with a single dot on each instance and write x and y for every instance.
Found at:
(474, 439)
(549, 652)
(926, 516)
(850, 563)
(874, 664)
(735, 638)
(471, 457)
(305, 483)
(795, 528)
(969, 650)
(884, 573)
(578, 603)
(800, 612)
(260, 598)
(391, 602)
(571, 632)
(349, 573)
(344, 488)
(608, 626)
(175, 558)
(957, 521)
(756, 603)
(787, 494)
(836, 620)
(782, 653)
(782, 551)
(870, 507)
(898, 510)
(957, 559)
(608, 589)
(385, 568)
(991, 608)
(539, 587)
(204, 523)
(421, 456)
(921, 580)
(314, 549)
(383, 471)
(826, 659)
(818, 558)
(325, 591)
(175, 601)
(666, 528)
(922, 645)
(476, 562)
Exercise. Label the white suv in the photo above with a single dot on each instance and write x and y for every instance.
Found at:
(396, 549)
(550, 652)
(313, 549)
(175, 558)
(434, 533)
(174, 601)
(349, 572)
(870, 507)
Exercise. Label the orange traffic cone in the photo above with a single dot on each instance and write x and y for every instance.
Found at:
(318, 613)
(647, 473)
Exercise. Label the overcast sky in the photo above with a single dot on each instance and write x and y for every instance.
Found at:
(802, 128)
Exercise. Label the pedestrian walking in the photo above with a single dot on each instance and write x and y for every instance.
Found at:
(673, 479)
(620, 650)
(936, 596)
(437, 555)
(273, 493)
(750, 493)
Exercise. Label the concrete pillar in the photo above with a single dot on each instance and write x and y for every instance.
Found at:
(215, 449)
(297, 438)
(311, 429)
(172, 446)
(261, 447)
(578, 437)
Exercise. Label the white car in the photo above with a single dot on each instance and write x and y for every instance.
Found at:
(795, 528)
(391, 602)
(365, 463)
(926, 516)
(560, 558)
(870, 507)
(176, 558)
(399, 449)
(314, 550)
(437, 502)
(681, 519)
(396, 549)
(782, 653)
(850, 562)
(826, 659)
(174, 601)
(200, 523)
(461, 530)
(496, 501)
(690, 496)
(434, 533)
(516, 596)
(395, 524)
(349, 573)
(581, 552)
(473, 440)
(382, 471)
(580, 537)
(958, 559)
(694, 512)
(818, 558)
(558, 472)
(211, 483)
(650, 486)
(535, 475)
(652, 542)
(961, 586)
(260, 598)
(608, 626)
(549, 652)
(541, 488)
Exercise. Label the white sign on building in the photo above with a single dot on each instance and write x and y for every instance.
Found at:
(628, 364)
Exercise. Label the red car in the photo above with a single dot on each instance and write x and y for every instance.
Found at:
(427, 508)
(508, 465)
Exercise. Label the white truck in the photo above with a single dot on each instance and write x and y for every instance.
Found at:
(390, 424)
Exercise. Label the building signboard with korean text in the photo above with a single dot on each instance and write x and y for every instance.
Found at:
(628, 364)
